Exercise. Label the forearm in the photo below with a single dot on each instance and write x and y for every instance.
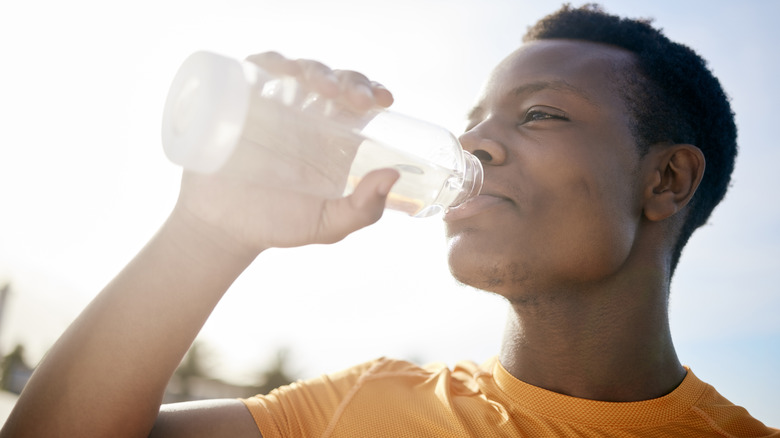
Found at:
(107, 374)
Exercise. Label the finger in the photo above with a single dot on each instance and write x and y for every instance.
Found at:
(360, 209)
(357, 89)
(382, 96)
(318, 77)
(275, 63)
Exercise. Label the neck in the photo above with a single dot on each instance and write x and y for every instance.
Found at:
(610, 342)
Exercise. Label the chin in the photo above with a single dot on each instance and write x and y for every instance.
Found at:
(462, 262)
(485, 270)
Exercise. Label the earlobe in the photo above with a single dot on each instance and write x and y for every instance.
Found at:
(676, 173)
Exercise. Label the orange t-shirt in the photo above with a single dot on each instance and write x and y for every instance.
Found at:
(391, 398)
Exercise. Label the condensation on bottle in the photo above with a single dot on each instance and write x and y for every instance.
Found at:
(216, 105)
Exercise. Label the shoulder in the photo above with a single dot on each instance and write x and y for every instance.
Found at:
(401, 373)
(381, 393)
(391, 370)
(383, 373)
(725, 416)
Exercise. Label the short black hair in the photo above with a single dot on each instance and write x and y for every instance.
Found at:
(671, 94)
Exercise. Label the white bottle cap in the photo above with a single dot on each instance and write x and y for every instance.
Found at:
(205, 111)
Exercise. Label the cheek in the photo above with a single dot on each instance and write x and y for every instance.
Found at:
(603, 228)
(597, 247)
(584, 222)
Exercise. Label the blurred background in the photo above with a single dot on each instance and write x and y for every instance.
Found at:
(84, 183)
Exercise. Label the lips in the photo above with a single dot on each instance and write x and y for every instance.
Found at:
(473, 207)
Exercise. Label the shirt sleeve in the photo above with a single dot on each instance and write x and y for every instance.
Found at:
(305, 408)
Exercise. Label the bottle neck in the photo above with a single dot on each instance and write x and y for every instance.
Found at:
(472, 179)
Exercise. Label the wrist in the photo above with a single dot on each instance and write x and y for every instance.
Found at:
(204, 242)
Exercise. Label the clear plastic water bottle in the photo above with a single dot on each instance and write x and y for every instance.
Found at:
(217, 105)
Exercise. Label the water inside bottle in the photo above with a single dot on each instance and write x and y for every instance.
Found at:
(326, 146)
(424, 189)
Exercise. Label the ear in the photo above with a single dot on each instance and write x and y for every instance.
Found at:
(675, 173)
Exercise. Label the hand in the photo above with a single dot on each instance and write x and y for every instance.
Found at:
(263, 199)
(350, 87)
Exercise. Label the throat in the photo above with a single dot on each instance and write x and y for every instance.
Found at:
(606, 350)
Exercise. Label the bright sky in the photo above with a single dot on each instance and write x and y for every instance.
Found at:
(84, 182)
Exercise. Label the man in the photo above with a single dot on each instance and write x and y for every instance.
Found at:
(594, 136)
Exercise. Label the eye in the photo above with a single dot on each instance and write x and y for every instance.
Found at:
(538, 113)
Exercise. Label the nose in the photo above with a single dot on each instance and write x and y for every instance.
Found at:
(487, 150)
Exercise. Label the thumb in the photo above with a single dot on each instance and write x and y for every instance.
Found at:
(363, 207)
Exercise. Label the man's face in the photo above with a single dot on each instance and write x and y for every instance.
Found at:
(561, 203)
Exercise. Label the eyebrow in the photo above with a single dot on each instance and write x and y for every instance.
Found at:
(534, 87)
(557, 85)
